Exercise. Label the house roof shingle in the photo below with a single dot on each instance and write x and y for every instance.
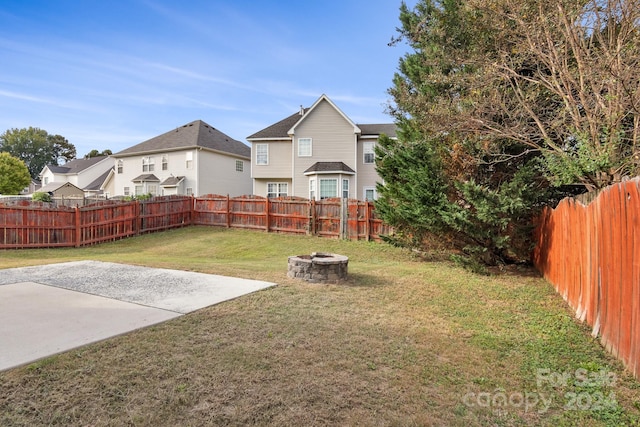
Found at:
(329, 167)
(76, 165)
(194, 134)
(147, 177)
(279, 129)
(54, 186)
(98, 182)
(388, 129)
(172, 181)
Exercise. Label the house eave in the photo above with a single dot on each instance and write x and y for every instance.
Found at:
(335, 172)
(176, 149)
(283, 138)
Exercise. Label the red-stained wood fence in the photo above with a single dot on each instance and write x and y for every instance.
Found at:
(591, 254)
(26, 225)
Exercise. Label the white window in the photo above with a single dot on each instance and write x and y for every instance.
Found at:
(328, 188)
(120, 164)
(262, 154)
(277, 189)
(165, 163)
(189, 191)
(153, 189)
(147, 164)
(46, 180)
(127, 191)
(189, 159)
(345, 188)
(138, 190)
(369, 154)
(370, 193)
(239, 166)
(312, 189)
(304, 147)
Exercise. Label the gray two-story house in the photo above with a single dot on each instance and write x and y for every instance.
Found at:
(317, 153)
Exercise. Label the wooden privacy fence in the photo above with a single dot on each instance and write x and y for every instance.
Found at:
(591, 255)
(38, 226)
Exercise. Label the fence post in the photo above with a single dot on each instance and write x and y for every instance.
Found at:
(344, 212)
(312, 217)
(228, 212)
(266, 211)
(192, 210)
(367, 218)
(77, 218)
(138, 217)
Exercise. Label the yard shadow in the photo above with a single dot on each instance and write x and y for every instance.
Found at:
(365, 280)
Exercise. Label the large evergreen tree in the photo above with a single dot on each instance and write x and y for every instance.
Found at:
(475, 191)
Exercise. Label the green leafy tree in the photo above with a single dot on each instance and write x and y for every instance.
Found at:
(63, 150)
(14, 175)
(40, 196)
(96, 153)
(36, 148)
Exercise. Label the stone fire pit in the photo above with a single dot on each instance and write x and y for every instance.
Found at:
(319, 267)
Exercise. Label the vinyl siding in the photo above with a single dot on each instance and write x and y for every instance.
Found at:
(211, 173)
(83, 178)
(333, 140)
(217, 175)
(367, 175)
(279, 165)
(260, 186)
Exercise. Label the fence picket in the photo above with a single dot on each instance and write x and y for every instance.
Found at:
(38, 226)
(589, 254)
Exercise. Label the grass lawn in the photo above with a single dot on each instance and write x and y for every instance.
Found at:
(405, 342)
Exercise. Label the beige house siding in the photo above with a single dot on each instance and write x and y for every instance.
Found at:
(333, 139)
(260, 185)
(336, 151)
(217, 174)
(367, 175)
(279, 163)
(69, 190)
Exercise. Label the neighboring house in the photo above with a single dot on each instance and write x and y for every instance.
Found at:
(34, 186)
(63, 190)
(194, 159)
(86, 174)
(317, 153)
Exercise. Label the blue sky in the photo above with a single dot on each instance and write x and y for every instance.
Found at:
(111, 74)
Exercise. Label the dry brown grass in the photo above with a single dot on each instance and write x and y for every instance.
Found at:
(400, 344)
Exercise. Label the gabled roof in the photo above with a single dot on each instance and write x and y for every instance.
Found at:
(279, 130)
(324, 98)
(76, 165)
(97, 184)
(329, 167)
(55, 186)
(147, 177)
(196, 134)
(172, 181)
(283, 128)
